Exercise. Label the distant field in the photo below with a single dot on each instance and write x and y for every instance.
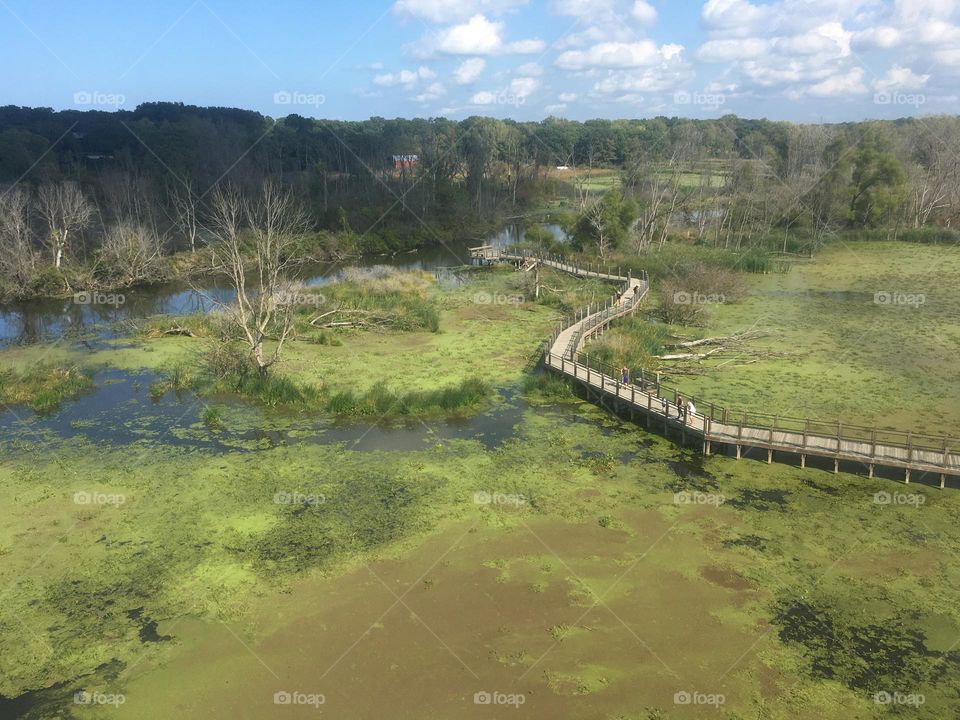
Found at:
(604, 180)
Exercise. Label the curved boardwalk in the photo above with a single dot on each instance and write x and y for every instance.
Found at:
(712, 426)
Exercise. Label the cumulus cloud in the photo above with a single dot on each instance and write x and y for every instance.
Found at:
(477, 36)
(469, 70)
(447, 11)
(484, 97)
(433, 92)
(523, 86)
(900, 78)
(842, 84)
(644, 12)
(724, 51)
(617, 55)
(404, 77)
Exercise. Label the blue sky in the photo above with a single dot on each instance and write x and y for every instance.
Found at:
(802, 60)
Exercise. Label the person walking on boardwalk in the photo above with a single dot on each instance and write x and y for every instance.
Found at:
(680, 407)
(663, 406)
(625, 373)
(691, 408)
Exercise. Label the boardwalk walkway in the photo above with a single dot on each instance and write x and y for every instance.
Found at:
(713, 426)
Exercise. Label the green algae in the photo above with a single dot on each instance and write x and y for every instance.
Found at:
(577, 512)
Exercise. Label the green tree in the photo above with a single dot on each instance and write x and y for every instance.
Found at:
(878, 182)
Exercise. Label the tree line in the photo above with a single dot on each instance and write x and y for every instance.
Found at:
(118, 192)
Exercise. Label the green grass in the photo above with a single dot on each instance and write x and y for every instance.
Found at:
(44, 387)
(831, 351)
(381, 401)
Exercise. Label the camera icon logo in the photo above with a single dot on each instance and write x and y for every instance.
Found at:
(482, 698)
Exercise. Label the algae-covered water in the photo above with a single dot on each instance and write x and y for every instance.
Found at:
(541, 558)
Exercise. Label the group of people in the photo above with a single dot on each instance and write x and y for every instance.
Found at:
(684, 409)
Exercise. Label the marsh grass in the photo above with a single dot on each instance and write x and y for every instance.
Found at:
(546, 386)
(43, 387)
(633, 342)
(201, 325)
(393, 299)
(381, 401)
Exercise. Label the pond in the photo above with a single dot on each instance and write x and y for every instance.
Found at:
(52, 318)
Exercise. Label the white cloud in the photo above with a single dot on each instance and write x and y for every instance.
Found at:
(827, 39)
(882, 36)
(555, 109)
(433, 92)
(484, 97)
(523, 86)
(900, 78)
(737, 16)
(404, 77)
(614, 55)
(477, 36)
(447, 11)
(644, 12)
(724, 51)
(469, 70)
(526, 47)
(849, 83)
(530, 68)
(567, 97)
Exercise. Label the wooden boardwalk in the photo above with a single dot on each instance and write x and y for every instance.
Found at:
(712, 427)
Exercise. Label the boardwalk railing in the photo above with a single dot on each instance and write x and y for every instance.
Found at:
(712, 424)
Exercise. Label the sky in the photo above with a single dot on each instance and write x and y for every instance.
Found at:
(799, 60)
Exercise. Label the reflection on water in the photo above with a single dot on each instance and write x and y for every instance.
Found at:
(49, 319)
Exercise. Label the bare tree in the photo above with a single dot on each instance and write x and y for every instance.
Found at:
(275, 222)
(17, 255)
(184, 203)
(65, 210)
(133, 252)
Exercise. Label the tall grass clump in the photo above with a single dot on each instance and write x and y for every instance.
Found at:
(381, 401)
(383, 297)
(43, 387)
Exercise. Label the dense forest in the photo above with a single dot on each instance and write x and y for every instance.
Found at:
(117, 193)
